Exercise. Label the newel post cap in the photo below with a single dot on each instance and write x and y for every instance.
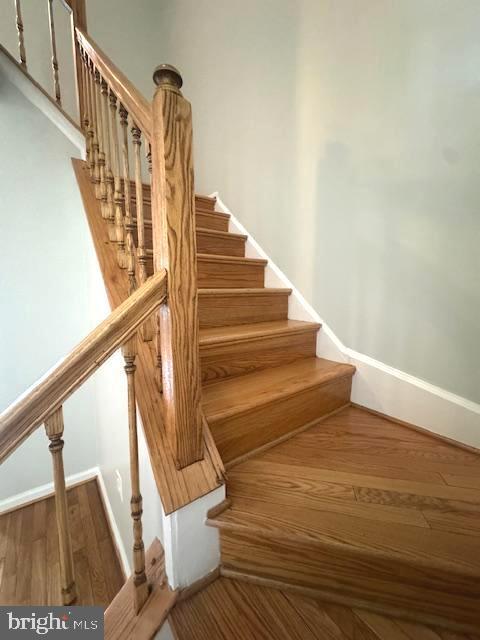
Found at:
(166, 76)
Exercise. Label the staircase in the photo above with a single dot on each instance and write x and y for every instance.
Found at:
(327, 502)
(338, 523)
(261, 379)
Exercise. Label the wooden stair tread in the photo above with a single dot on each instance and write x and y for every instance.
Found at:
(247, 291)
(377, 529)
(287, 489)
(220, 234)
(219, 259)
(412, 543)
(238, 333)
(238, 395)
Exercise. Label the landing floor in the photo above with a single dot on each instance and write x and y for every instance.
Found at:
(360, 480)
(29, 552)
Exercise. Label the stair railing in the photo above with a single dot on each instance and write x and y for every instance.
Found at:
(129, 142)
(163, 129)
(43, 404)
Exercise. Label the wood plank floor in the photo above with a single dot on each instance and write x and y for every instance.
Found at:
(356, 470)
(365, 509)
(29, 552)
(236, 610)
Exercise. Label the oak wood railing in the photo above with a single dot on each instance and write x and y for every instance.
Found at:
(164, 130)
(43, 404)
(130, 141)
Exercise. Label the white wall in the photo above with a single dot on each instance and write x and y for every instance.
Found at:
(43, 282)
(37, 46)
(345, 137)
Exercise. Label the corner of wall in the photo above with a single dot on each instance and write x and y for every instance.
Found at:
(376, 385)
(192, 548)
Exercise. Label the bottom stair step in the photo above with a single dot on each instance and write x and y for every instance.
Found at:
(383, 535)
(254, 410)
(238, 610)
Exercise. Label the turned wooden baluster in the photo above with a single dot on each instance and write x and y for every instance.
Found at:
(54, 429)
(110, 209)
(174, 245)
(117, 189)
(139, 577)
(156, 321)
(101, 185)
(84, 115)
(78, 19)
(87, 116)
(141, 250)
(95, 167)
(129, 223)
(21, 41)
(53, 44)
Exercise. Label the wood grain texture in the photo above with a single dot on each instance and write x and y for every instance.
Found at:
(208, 240)
(29, 552)
(235, 350)
(212, 220)
(121, 620)
(221, 307)
(174, 248)
(126, 92)
(54, 428)
(224, 271)
(30, 410)
(176, 487)
(235, 610)
(347, 509)
(250, 411)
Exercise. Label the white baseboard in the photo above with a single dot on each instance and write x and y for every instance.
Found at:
(117, 538)
(376, 385)
(38, 97)
(45, 490)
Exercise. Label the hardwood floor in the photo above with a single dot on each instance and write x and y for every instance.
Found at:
(235, 610)
(364, 508)
(29, 552)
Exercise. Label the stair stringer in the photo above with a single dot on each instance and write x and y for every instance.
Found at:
(376, 385)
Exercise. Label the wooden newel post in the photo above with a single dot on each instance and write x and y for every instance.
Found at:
(54, 429)
(174, 246)
(141, 589)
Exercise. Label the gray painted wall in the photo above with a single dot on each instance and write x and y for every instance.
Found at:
(345, 136)
(44, 289)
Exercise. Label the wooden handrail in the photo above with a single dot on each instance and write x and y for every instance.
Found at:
(48, 394)
(133, 101)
